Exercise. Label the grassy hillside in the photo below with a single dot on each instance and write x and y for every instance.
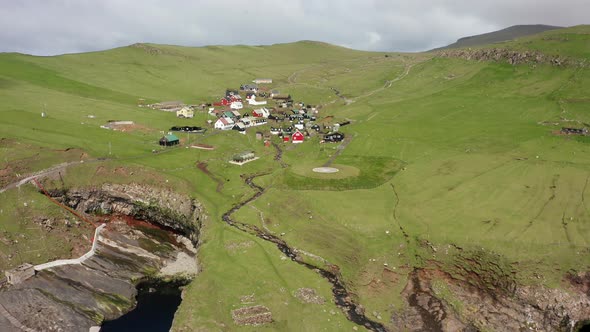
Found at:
(510, 33)
(444, 153)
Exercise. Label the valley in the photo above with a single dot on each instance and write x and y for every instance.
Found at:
(460, 201)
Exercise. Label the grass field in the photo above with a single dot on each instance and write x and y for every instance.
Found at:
(447, 151)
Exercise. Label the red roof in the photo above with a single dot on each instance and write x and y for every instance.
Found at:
(297, 136)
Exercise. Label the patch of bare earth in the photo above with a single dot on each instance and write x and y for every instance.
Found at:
(202, 166)
(235, 246)
(309, 295)
(439, 301)
(132, 128)
(254, 315)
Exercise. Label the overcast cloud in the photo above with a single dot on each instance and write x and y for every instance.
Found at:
(48, 27)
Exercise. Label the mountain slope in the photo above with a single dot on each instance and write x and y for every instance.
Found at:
(507, 34)
(454, 175)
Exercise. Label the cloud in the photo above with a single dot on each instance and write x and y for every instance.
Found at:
(64, 26)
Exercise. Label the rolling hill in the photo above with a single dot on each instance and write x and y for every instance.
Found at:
(510, 33)
(458, 195)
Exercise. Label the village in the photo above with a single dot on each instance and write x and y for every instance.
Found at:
(268, 110)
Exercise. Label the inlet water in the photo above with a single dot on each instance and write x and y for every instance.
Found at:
(156, 304)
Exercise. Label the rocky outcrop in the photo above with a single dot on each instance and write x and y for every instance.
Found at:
(76, 297)
(164, 207)
(436, 301)
(512, 57)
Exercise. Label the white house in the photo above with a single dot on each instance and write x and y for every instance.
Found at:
(224, 123)
(236, 105)
(252, 121)
(252, 101)
(261, 113)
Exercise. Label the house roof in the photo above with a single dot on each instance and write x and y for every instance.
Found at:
(297, 133)
(225, 121)
(171, 137)
(229, 114)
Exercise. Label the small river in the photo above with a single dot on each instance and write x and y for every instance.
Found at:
(156, 304)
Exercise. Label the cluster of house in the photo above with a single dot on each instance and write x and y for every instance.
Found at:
(300, 117)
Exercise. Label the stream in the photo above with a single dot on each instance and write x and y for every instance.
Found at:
(342, 297)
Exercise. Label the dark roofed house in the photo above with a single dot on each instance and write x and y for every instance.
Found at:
(334, 137)
(574, 131)
(169, 140)
(249, 87)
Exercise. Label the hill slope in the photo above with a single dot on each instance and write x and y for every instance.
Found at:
(507, 34)
(457, 195)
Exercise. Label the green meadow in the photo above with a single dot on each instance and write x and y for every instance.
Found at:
(444, 153)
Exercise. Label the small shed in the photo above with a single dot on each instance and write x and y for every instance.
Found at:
(20, 273)
(244, 156)
(169, 140)
(258, 135)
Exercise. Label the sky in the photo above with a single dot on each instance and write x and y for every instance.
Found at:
(49, 27)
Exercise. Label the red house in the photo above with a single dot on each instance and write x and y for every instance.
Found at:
(285, 138)
(297, 137)
(225, 101)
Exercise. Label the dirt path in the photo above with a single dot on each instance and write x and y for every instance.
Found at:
(388, 83)
(339, 150)
(48, 171)
(203, 167)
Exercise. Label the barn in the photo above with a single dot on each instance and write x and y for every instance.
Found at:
(169, 140)
(297, 137)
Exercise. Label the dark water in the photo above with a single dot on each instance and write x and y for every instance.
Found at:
(154, 312)
(584, 326)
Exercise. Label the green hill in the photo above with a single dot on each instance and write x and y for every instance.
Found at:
(454, 171)
(510, 33)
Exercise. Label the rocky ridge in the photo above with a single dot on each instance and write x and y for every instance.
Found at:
(512, 57)
(436, 301)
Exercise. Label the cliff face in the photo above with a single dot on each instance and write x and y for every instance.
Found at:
(160, 206)
(437, 301)
(511, 56)
(76, 297)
